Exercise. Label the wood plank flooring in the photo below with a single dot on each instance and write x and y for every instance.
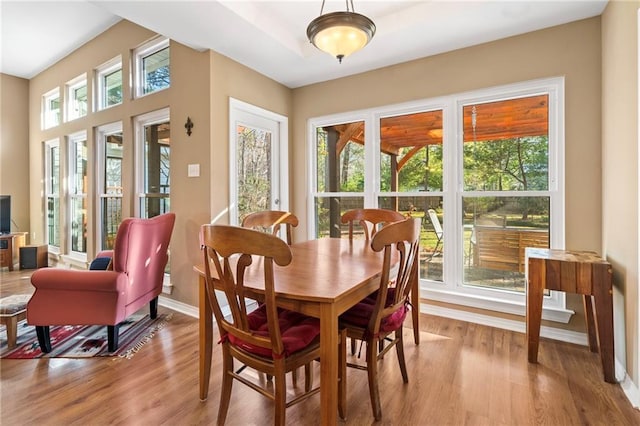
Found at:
(460, 374)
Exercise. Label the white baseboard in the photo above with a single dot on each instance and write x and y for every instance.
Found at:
(183, 308)
(629, 388)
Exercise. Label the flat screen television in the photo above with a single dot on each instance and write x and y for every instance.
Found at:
(5, 214)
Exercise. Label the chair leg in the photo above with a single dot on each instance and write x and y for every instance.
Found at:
(153, 308)
(342, 375)
(372, 371)
(400, 353)
(308, 378)
(227, 383)
(44, 339)
(112, 337)
(280, 393)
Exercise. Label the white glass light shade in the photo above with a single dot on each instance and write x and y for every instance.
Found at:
(341, 33)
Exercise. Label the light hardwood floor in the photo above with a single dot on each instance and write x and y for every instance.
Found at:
(460, 374)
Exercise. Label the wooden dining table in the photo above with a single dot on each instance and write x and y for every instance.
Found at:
(325, 278)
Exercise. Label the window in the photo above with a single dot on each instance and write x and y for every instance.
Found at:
(153, 148)
(109, 84)
(481, 169)
(52, 189)
(152, 70)
(258, 172)
(51, 109)
(109, 150)
(77, 194)
(77, 98)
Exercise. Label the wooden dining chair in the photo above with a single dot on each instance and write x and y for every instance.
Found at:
(271, 340)
(370, 220)
(271, 221)
(373, 321)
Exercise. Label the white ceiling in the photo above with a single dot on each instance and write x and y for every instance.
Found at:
(270, 36)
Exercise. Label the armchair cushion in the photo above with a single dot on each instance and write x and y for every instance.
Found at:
(100, 264)
(298, 331)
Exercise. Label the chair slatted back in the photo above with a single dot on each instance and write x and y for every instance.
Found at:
(371, 220)
(404, 238)
(228, 252)
(271, 220)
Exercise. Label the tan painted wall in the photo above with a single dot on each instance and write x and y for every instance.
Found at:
(14, 147)
(201, 84)
(620, 168)
(571, 50)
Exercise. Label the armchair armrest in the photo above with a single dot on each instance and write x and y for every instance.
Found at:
(66, 279)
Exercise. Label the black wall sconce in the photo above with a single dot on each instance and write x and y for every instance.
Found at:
(188, 125)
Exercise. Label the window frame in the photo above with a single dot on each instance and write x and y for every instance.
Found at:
(101, 157)
(47, 113)
(71, 194)
(101, 73)
(451, 288)
(71, 101)
(139, 54)
(50, 193)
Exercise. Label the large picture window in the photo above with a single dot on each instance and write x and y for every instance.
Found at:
(481, 169)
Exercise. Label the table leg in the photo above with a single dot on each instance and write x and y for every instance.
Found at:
(535, 291)
(328, 364)
(206, 338)
(603, 300)
(12, 331)
(415, 312)
(591, 328)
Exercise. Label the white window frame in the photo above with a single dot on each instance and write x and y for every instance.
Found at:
(139, 124)
(49, 118)
(279, 150)
(49, 193)
(100, 154)
(139, 54)
(451, 290)
(101, 73)
(72, 139)
(71, 102)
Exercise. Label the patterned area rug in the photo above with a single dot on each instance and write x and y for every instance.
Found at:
(84, 341)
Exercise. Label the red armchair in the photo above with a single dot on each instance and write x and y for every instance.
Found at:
(107, 297)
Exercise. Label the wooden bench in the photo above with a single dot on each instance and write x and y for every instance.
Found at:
(503, 248)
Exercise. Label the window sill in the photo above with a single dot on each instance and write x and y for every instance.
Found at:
(494, 304)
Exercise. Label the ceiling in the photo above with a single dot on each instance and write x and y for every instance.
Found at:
(270, 36)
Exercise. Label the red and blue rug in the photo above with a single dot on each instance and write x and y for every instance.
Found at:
(84, 341)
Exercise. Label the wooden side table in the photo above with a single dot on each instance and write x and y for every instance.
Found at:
(580, 272)
(9, 248)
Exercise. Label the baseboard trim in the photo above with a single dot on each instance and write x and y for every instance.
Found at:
(507, 324)
(629, 388)
(183, 308)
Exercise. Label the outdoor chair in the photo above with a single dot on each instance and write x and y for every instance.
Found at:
(437, 228)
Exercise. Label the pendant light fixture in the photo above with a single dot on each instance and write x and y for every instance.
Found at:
(341, 33)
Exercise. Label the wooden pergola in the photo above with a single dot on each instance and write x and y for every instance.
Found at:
(489, 121)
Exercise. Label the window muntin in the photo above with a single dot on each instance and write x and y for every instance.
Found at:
(152, 67)
(52, 190)
(51, 109)
(109, 84)
(77, 98)
(77, 193)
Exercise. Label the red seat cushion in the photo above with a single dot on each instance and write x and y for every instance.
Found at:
(360, 314)
(297, 330)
